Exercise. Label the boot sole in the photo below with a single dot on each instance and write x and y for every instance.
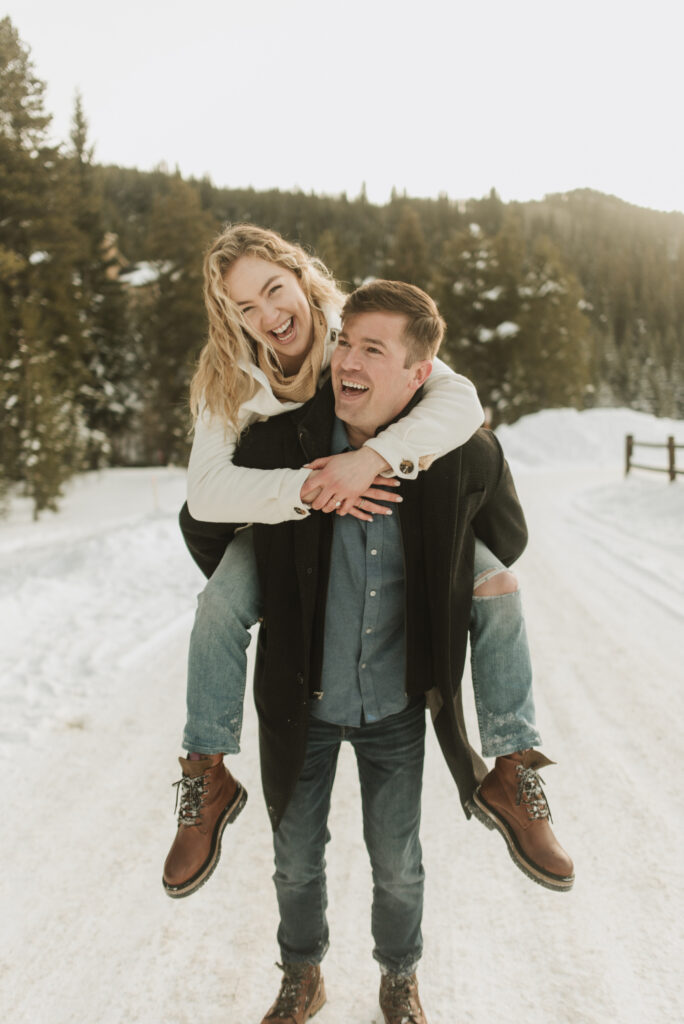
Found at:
(493, 821)
(228, 816)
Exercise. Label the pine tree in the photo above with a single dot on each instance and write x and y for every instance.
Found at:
(40, 321)
(46, 432)
(515, 326)
(407, 259)
(172, 319)
(111, 360)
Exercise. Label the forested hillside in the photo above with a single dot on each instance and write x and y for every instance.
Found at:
(577, 300)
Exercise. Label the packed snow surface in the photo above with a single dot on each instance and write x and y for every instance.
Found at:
(96, 605)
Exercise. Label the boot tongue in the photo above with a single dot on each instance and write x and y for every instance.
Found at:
(534, 759)
(192, 769)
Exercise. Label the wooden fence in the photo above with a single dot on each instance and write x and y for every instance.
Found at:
(671, 468)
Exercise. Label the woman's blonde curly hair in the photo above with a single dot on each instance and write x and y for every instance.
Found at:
(220, 384)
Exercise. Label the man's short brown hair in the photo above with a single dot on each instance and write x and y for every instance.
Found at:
(424, 328)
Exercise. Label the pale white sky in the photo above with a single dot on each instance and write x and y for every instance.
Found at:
(430, 96)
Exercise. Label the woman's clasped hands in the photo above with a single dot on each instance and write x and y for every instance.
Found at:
(350, 484)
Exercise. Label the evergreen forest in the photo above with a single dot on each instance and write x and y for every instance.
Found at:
(576, 300)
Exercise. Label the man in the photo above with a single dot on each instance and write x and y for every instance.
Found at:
(364, 623)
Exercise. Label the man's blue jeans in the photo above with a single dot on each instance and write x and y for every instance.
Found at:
(230, 604)
(389, 756)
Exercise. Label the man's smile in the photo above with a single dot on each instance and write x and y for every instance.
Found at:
(352, 388)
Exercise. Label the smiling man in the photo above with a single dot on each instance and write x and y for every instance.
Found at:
(364, 623)
(375, 373)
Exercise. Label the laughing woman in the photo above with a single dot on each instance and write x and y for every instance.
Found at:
(273, 315)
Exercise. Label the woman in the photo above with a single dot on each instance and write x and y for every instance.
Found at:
(273, 321)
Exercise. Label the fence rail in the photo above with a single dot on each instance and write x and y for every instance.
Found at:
(670, 469)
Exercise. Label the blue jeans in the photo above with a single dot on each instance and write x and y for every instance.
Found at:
(389, 756)
(500, 665)
(230, 604)
(227, 608)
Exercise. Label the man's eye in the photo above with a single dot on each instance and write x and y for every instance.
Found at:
(373, 349)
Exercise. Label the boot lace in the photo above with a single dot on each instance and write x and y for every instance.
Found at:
(531, 794)
(190, 794)
(398, 990)
(287, 1003)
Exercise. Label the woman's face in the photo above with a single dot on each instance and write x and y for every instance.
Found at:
(273, 303)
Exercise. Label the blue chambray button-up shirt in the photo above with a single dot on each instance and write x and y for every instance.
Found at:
(364, 661)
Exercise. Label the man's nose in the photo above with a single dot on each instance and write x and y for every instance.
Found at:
(350, 360)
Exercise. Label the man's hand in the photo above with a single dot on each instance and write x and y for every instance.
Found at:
(349, 483)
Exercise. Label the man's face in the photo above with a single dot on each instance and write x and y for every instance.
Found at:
(370, 382)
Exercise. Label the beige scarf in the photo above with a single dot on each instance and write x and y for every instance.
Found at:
(301, 386)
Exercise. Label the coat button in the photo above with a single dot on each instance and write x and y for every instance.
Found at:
(309, 570)
(405, 466)
(300, 678)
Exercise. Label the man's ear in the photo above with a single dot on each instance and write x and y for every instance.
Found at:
(420, 372)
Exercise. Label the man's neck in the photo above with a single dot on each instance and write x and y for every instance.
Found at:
(357, 438)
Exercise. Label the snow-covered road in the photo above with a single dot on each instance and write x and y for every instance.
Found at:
(96, 606)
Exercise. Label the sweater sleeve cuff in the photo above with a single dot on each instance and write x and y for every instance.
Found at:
(405, 467)
(291, 500)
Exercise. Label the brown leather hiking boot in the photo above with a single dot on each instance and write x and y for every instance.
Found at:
(302, 993)
(210, 798)
(510, 799)
(399, 1000)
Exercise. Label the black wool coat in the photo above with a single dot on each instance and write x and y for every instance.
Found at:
(467, 493)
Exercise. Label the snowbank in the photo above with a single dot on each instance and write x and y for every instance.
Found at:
(593, 437)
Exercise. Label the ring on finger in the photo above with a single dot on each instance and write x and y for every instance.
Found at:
(337, 504)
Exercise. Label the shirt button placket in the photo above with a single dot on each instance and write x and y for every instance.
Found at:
(370, 610)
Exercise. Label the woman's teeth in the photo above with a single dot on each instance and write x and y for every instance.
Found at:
(284, 329)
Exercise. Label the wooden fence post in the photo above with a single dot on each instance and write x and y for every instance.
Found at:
(671, 459)
(629, 448)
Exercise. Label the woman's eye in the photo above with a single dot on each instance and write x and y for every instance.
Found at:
(275, 288)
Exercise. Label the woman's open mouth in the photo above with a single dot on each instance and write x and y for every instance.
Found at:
(286, 333)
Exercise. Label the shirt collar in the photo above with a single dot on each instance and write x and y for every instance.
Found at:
(339, 441)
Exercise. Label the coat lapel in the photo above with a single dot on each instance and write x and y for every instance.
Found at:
(314, 432)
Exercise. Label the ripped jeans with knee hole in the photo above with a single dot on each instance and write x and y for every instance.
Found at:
(230, 605)
(500, 664)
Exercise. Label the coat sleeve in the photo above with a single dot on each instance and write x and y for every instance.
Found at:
(446, 417)
(500, 521)
(206, 542)
(220, 491)
(261, 448)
